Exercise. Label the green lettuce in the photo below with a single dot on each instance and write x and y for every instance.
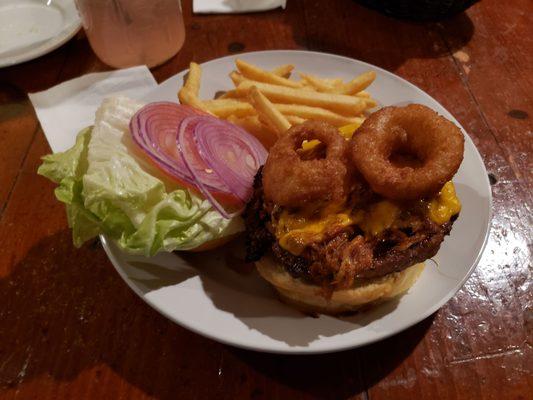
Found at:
(108, 187)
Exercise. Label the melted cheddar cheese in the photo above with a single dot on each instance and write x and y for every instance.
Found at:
(294, 231)
(445, 205)
(297, 230)
(346, 131)
(380, 217)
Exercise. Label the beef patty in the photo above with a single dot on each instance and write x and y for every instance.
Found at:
(414, 239)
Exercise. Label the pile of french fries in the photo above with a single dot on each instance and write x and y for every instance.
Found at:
(267, 103)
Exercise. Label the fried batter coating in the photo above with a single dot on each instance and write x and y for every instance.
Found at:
(292, 180)
(407, 153)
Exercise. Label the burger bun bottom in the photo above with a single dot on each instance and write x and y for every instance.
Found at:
(310, 298)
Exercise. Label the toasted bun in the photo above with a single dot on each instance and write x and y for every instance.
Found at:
(309, 298)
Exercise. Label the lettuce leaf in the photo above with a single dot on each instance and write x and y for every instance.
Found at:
(108, 187)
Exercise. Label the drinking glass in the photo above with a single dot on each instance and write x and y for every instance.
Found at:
(124, 33)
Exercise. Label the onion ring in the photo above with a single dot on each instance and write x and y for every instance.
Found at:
(407, 153)
(290, 180)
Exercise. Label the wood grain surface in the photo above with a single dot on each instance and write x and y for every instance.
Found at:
(71, 328)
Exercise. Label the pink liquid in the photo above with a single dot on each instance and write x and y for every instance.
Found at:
(124, 33)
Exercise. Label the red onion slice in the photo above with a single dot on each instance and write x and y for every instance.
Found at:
(202, 171)
(234, 154)
(153, 129)
(196, 166)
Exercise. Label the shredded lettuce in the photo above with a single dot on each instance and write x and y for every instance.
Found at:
(109, 188)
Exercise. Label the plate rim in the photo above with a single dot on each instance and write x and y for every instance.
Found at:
(47, 47)
(331, 348)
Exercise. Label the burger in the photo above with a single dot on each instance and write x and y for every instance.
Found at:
(336, 224)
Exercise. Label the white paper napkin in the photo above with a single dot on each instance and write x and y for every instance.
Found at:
(67, 108)
(235, 6)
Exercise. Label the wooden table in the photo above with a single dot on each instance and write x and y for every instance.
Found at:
(71, 328)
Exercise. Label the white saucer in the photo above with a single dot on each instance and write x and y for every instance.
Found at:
(31, 28)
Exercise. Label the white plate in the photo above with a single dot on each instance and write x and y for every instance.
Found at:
(31, 28)
(200, 293)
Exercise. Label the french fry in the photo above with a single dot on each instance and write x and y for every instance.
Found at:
(231, 94)
(236, 78)
(339, 103)
(251, 121)
(192, 84)
(306, 85)
(326, 85)
(370, 103)
(266, 135)
(267, 111)
(363, 93)
(223, 108)
(333, 81)
(357, 84)
(317, 83)
(255, 73)
(283, 70)
(321, 114)
(188, 94)
(186, 97)
(294, 120)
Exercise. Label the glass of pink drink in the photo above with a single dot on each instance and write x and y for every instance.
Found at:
(124, 33)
